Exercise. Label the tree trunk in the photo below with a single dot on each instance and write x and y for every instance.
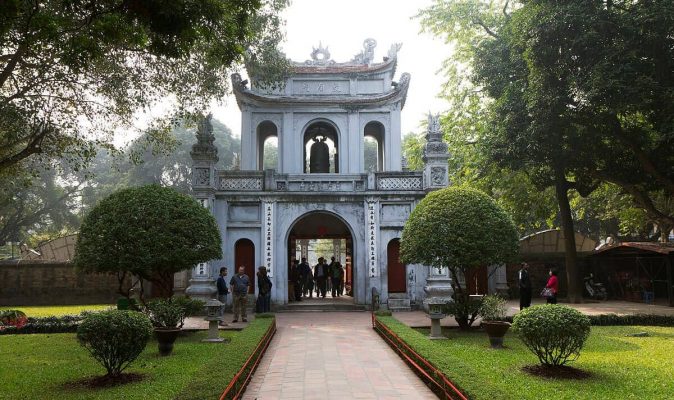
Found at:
(561, 190)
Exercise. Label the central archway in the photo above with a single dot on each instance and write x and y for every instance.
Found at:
(324, 234)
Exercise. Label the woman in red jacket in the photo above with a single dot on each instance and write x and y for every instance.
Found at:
(552, 285)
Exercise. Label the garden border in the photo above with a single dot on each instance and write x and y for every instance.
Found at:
(240, 381)
(434, 378)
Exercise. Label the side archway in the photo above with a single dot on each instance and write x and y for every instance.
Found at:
(397, 282)
(244, 254)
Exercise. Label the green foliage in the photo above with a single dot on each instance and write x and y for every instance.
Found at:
(115, 338)
(632, 319)
(150, 231)
(493, 308)
(54, 324)
(264, 315)
(383, 313)
(202, 371)
(165, 313)
(620, 366)
(458, 228)
(554, 333)
(12, 319)
(72, 73)
(190, 306)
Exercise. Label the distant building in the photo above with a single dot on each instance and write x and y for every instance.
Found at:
(320, 187)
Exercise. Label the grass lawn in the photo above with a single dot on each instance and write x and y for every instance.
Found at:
(49, 311)
(622, 367)
(45, 366)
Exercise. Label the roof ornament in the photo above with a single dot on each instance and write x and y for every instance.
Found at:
(320, 56)
(366, 56)
(204, 146)
(393, 51)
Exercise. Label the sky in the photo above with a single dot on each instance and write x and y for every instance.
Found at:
(342, 26)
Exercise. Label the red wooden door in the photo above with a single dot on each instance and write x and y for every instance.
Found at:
(244, 254)
(397, 282)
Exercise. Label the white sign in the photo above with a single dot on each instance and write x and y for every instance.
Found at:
(372, 265)
(269, 238)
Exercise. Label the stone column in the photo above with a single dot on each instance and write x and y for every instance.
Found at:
(435, 157)
(204, 180)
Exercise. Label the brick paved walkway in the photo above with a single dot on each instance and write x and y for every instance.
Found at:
(332, 355)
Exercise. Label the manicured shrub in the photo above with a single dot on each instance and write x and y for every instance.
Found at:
(383, 313)
(460, 229)
(493, 308)
(553, 332)
(151, 232)
(164, 313)
(115, 338)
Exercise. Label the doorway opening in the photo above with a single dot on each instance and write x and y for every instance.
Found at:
(324, 235)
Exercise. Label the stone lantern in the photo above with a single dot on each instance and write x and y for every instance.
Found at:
(435, 313)
(212, 311)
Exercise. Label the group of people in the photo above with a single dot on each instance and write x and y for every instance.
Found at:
(239, 286)
(524, 282)
(321, 278)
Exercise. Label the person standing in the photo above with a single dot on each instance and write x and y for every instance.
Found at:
(321, 276)
(264, 289)
(335, 276)
(553, 285)
(221, 283)
(239, 285)
(296, 280)
(307, 278)
(524, 285)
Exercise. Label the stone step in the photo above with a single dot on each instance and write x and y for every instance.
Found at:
(300, 307)
(399, 304)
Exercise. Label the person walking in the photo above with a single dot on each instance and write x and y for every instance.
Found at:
(264, 290)
(553, 285)
(221, 283)
(239, 285)
(525, 286)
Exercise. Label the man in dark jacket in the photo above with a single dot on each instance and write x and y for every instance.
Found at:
(222, 293)
(321, 277)
(524, 285)
(307, 278)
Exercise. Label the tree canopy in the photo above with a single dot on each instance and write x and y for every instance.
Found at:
(74, 72)
(461, 229)
(149, 231)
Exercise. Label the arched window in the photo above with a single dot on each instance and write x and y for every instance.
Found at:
(373, 145)
(267, 142)
(321, 143)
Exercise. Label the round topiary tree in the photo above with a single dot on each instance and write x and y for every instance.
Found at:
(149, 231)
(459, 228)
(553, 332)
(115, 338)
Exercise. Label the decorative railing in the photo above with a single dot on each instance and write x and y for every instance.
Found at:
(433, 377)
(399, 181)
(238, 384)
(240, 181)
(322, 183)
(257, 181)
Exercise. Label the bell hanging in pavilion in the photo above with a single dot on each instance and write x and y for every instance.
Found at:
(319, 158)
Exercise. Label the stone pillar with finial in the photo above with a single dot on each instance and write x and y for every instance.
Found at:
(204, 157)
(438, 286)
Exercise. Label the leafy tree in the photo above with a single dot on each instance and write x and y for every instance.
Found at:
(150, 232)
(548, 99)
(45, 205)
(74, 72)
(460, 229)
